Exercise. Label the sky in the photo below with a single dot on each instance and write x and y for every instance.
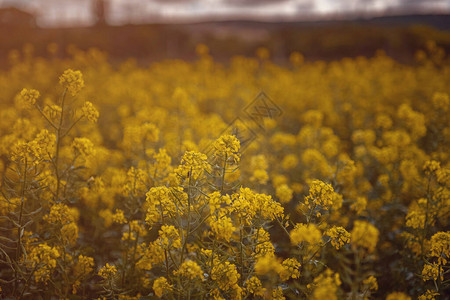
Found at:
(79, 12)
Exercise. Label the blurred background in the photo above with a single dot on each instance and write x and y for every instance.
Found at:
(152, 30)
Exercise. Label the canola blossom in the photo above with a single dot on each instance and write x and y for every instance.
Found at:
(130, 182)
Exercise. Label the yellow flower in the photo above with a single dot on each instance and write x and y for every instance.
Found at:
(247, 204)
(150, 132)
(365, 137)
(190, 269)
(72, 81)
(262, 53)
(441, 101)
(29, 96)
(43, 259)
(280, 140)
(193, 164)
(339, 236)
(359, 205)
(417, 214)
(259, 162)
(162, 162)
(201, 49)
(346, 171)
(162, 203)
(217, 201)
(169, 237)
(323, 194)
(432, 272)
(296, 58)
(364, 235)
(284, 193)
(35, 151)
(431, 167)
(216, 295)
(316, 163)
(137, 136)
(259, 176)
(153, 255)
(69, 233)
(263, 246)
(429, 295)
(136, 226)
(414, 121)
(225, 275)
(8, 205)
(440, 247)
(305, 233)
(161, 286)
(371, 283)
(59, 214)
(268, 264)
(107, 271)
(227, 147)
(83, 146)
(291, 268)
(259, 165)
(136, 182)
(90, 112)
(84, 266)
(53, 112)
(277, 294)
(253, 286)
(119, 217)
(222, 227)
(106, 215)
(289, 162)
(313, 118)
(398, 296)
(326, 286)
(383, 121)
(45, 143)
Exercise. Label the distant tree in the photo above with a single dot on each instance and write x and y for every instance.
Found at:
(99, 10)
(14, 17)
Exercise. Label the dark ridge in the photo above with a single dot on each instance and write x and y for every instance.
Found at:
(399, 36)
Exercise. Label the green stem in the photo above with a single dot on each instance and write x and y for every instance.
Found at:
(22, 200)
(188, 228)
(71, 126)
(167, 264)
(355, 284)
(27, 282)
(424, 231)
(124, 265)
(241, 254)
(19, 228)
(133, 259)
(48, 120)
(223, 173)
(59, 136)
(309, 217)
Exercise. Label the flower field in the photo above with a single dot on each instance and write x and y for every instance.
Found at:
(244, 180)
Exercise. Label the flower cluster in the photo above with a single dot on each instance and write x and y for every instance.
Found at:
(29, 96)
(72, 81)
(339, 236)
(43, 259)
(90, 112)
(364, 235)
(341, 197)
(227, 147)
